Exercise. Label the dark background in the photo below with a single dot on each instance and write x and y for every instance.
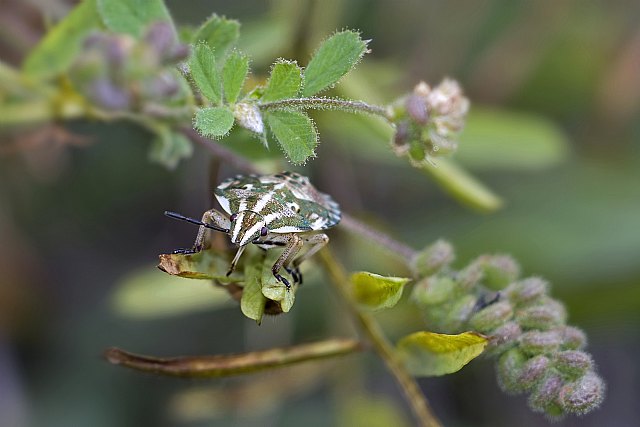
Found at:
(78, 220)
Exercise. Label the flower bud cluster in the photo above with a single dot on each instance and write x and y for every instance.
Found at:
(119, 72)
(536, 351)
(428, 120)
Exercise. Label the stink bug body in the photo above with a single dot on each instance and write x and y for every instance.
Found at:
(282, 210)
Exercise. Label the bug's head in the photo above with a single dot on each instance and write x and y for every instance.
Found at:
(246, 226)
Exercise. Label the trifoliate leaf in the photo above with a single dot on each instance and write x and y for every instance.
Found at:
(218, 32)
(132, 16)
(376, 292)
(234, 73)
(336, 57)
(213, 122)
(432, 354)
(296, 134)
(253, 302)
(148, 293)
(205, 74)
(284, 82)
(169, 148)
(58, 49)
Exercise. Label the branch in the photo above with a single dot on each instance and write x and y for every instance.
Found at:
(371, 329)
(233, 364)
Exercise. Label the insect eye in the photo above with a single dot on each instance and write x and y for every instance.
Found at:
(233, 217)
(264, 231)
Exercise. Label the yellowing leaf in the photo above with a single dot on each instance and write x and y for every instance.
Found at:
(202, 265)
(431, 354)
(376, 292)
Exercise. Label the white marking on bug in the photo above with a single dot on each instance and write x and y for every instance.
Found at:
(249, 233)
(224, 203)
(288, 229)
(262, 202)
(237, 227)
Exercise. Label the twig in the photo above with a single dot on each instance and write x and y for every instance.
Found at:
(383, 240)
(233, 364)
(371, 329)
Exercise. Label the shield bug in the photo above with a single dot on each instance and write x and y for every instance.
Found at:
(281, 210)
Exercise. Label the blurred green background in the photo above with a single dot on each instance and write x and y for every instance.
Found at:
(554, 130)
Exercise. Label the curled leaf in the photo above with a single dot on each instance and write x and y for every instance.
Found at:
(376, 292)
(432, 354)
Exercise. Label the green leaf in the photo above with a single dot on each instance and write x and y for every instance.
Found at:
(218, 32)
(234, 74)
(432, 354)
(336, 57)
(499, 139)
(132, 16)
(376, 292)
(284, 82)
(57, 50)
(213, 122)
(253, 302)
(169, 148)
(272, 288)
(296, 134)
(205, 74)
(147, 293)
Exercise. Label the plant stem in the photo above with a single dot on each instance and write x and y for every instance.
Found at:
(326, 104)
(371, 329)
(385, 241)
(233, 364)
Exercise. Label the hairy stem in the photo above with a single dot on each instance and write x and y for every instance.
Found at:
(233, 364)
(326, 104)
(371, 329)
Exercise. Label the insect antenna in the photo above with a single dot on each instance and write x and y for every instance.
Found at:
(175, 215)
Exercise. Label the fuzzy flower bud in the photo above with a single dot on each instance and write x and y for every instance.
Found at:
(433, 258)
(582, 395)
(538, 342)
(546, 314)
(573, 363)
(504, 337)
(491, 317)
(248, 116)
(527, 290)
(433, 290)
(499, 270)
(572, 338)
(509, 368)
(545, 396)
(470, 276)
(532, 371)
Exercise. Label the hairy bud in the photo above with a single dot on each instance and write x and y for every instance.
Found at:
(532, 371)
(545, 396)
(249, 117)
(509, 368)
(572, 338)
(433, 258)
(433, 290)
(538, 342)
(499, 270)
(491, 317)
(546, 314)
(582, 395)
(527, 290)
(573, 363)
(504, 337)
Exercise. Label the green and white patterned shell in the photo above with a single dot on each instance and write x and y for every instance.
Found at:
(287, 201)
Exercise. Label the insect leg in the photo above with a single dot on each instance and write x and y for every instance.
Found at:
(294, 243)
(211, 217)
(316, 242)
